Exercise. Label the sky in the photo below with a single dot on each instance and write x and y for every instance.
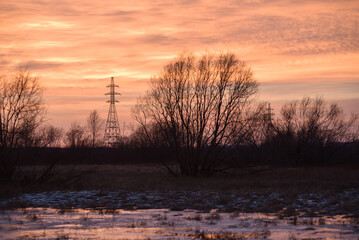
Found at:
(294, 48)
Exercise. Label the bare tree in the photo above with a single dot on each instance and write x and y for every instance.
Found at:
(94, 125)
(76, 137)
(307, 129)
(252, 129)
(47, 136)
(22, 107)
(197, 105)
(21, 112)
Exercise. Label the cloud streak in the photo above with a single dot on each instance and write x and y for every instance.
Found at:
(75, 47)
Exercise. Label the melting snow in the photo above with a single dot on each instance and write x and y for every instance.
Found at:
(48, 223)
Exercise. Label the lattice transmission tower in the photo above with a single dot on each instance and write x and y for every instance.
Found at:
(269, 120)
(269, 115)
(112, 131)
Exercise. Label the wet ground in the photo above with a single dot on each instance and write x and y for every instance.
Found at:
(49, 223)
(338, 203)
(123, 214)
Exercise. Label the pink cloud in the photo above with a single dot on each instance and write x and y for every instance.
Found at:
(75, 46)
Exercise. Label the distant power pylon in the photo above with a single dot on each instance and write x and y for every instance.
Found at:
(269, 120)
(269, 115)
(112, 131)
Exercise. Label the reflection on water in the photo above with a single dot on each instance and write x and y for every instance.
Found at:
(46, 223)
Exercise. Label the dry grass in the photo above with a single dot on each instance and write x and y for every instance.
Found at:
(287, 184)
(285, 191)
(142, 177)
(260, 234)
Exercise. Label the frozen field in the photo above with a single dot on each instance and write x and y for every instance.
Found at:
(345, 202)
(48, 223)
(169, 215)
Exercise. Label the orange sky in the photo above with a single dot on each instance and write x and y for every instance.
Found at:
(295, 48)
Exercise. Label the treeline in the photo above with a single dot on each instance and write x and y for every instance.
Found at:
(199, 117)
(202, 110)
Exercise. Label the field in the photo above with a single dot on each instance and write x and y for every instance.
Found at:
(333, 190)
(40, 223)
(143, 201)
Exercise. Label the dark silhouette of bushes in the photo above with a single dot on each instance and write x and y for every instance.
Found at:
(311, 132)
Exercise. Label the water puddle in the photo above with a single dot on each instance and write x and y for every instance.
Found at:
(48, 223)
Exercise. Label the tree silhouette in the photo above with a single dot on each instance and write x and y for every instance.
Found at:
(197, 105)
(94, 125)
(47, 136)
(310, 131)
(75, 136)
(21, 112)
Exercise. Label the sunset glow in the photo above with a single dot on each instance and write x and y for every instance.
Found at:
(295, 48)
